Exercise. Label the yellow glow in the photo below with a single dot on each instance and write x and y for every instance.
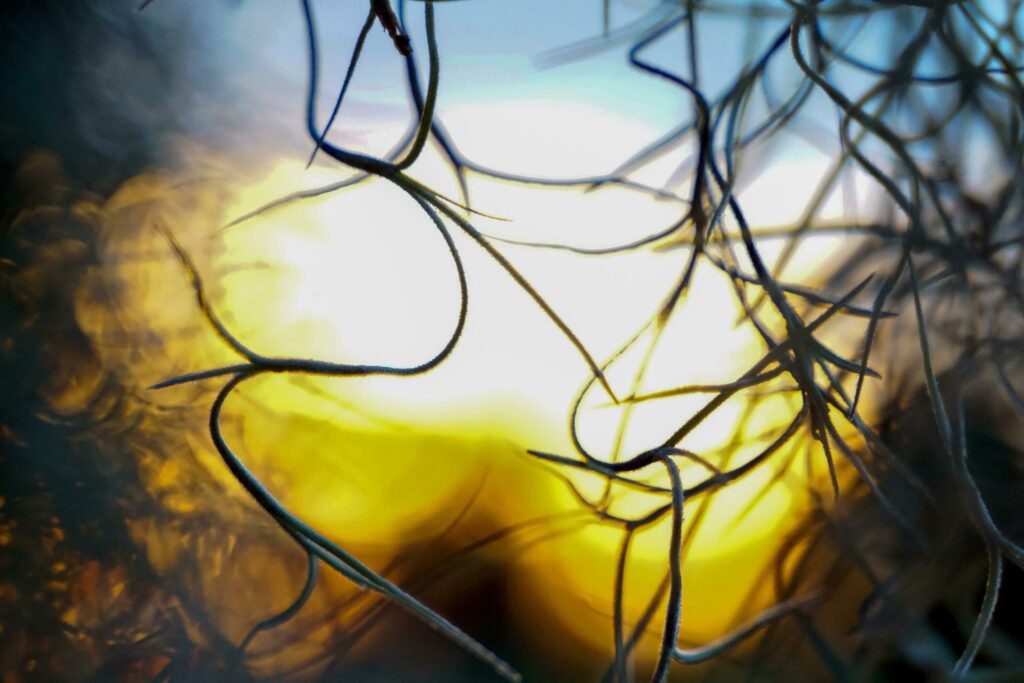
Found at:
(363, 276)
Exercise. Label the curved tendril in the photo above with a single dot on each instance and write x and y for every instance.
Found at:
(312, 574)
(426, 111)
(332, 554)
(352, 62)
(673, 609)
(730, 640)
(260, 363)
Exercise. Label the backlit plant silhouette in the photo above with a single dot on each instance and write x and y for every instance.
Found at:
(940, 261)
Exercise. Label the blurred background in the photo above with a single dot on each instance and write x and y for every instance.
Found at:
(875, 138)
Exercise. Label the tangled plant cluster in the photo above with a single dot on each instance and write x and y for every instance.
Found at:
(945, 252)
(940, 265)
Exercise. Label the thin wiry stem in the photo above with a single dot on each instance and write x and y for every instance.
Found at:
(730, 640)
(352, 62)
(289, 612)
